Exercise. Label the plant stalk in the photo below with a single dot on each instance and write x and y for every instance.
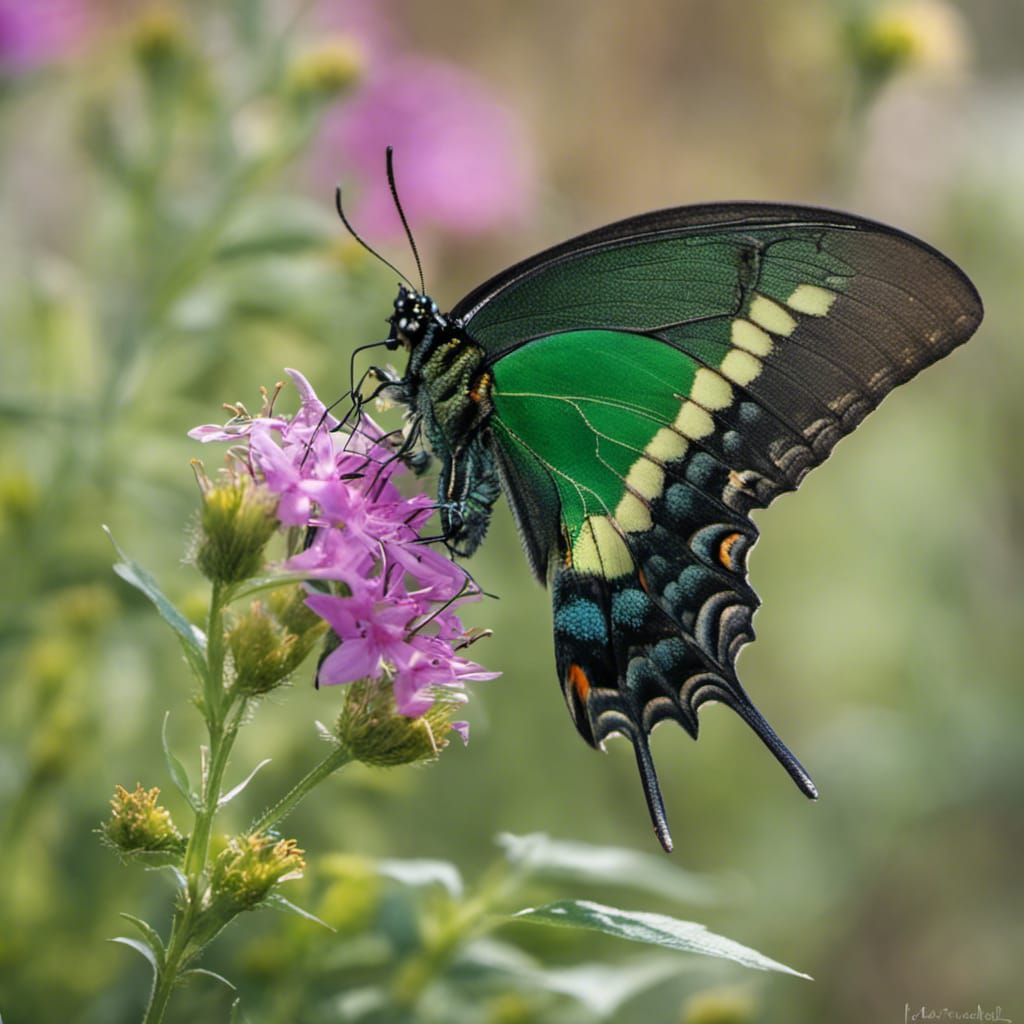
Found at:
(337, 758)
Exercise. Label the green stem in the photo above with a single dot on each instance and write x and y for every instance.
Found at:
(337, 758)
(163, 984)
(473, 919)
(223, 718)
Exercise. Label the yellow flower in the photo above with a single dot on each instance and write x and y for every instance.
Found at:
(926, 35)
(250, 867)
(326, 69)
(138, 824)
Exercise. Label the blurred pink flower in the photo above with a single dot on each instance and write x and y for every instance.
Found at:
(36, 32)
(461, 159)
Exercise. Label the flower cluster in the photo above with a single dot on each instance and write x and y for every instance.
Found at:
(390, 600)
(139, 824)
(249, 868)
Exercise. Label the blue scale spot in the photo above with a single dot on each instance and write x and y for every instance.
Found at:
(693, 579)
(732, 443)
(701, 469)
(679, 500)
(749, 413)
(669, 654)
(582, 620)
(629, 609)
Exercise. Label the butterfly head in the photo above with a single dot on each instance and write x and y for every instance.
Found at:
(414, 316)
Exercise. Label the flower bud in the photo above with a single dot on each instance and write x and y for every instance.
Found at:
(248, 868)
(511, 1008)
(138, 824)
(157, 35)
(236, 521)
(159, 43)
(268, 644)
(373, 731)
(719, 1006)
(919, 34)
(19, 499)
(326, 70)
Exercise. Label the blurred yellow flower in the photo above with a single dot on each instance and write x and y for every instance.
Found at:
(157, 35)
(719, 1006)
(327, 69)
(926, 35)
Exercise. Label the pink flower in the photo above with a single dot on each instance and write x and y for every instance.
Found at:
(463, 161)
(460, 154)
(37, 32)
(393, 602)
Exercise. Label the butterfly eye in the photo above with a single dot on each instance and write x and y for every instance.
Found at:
(403, 324)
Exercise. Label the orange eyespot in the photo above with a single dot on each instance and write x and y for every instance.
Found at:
(579, 682)
(725, 550)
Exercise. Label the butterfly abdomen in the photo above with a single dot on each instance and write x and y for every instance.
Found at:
(452, 388)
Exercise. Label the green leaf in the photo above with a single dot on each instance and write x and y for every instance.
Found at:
(423, 872)
(539, 854)
(277, 901)
(359, 1004)
(209, 974)
(150, 935)
(176, 770)
(232, 793)
(653, 929)
(192, 639)
(277, 226)
(604, 988)
(180, 881)
(601, 988)
(139, 947)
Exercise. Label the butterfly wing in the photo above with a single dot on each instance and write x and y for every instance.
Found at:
(655, 381)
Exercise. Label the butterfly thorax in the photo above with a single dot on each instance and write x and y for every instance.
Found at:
(446, 391)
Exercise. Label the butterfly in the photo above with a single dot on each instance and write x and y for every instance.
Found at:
(635, 393)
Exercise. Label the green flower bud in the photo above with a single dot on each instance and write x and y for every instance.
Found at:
(914, 34)
(138, 824)
(288, 605)
(19, 499)
(326, 70)
(158, 40)
(720, 1006)
(236, 521)
(373, 731)
(268, 644)
(248, 868)
(51, 750)
(512, 1008)
(83, 609)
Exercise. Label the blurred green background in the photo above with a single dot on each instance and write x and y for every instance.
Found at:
(167, 178)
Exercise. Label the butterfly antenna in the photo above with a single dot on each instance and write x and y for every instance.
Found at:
(366, 245)
(652, 791)
(401, 214)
